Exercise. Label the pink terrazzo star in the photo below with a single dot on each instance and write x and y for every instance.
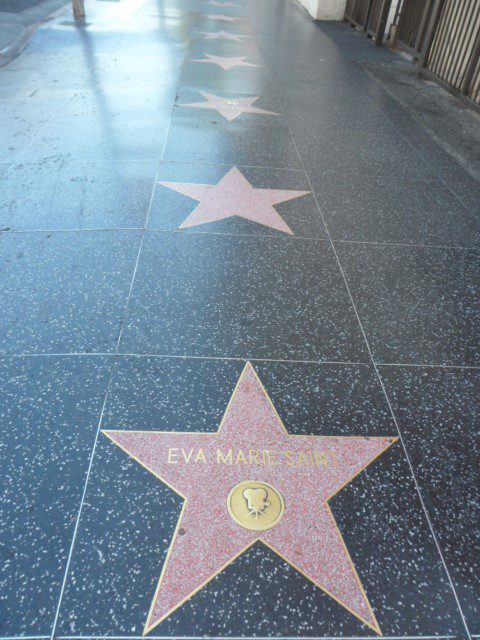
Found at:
(221, 16)
(229, 108)
(226, 63)
(222, 35)
(235, 196)
(252, 444)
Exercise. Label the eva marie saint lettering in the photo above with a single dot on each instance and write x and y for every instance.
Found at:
(265, 457)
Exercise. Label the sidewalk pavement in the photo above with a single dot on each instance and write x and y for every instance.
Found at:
(18, 20)
(189, 186)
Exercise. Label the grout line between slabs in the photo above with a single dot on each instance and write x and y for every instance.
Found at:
(266, 235)
(186, 356)
(407, 245)
(377, 372)
(154, 637)
(35, 137)
(248, 358)
(82, 501)
(428, 366)
(13, 164)
(99, 424)
(369, 176)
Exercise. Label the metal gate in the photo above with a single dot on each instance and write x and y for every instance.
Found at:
(412, 23)
(356, 12)
(453, 54)
(370, 16)
(377, 19)
(444, 37)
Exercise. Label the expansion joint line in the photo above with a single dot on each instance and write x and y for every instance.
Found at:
(375, 367)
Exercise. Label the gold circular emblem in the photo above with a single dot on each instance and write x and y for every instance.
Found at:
(255, 505)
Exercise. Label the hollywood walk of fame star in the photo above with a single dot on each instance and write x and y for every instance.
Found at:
(222, 35)
(235, 196)
(252, 448)
(222, 16)
(226, 63)
(229, 108)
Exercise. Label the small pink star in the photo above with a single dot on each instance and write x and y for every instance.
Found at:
(235, 196)
(226, 63)
(222, 35)
(228, 108)
(221, 16)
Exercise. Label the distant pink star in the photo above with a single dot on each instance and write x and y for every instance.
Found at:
(221, 16)
(222, 35)
(251, 445)
(226, 63)
(229, 108)
(235, 196)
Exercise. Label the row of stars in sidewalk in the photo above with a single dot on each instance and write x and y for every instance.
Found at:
(206, 538)
(233, 196)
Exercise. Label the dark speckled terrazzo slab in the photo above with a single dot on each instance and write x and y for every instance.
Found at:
(202, 21)
(213, 141)
(173, 394)
(199, 44)
(438, 412)
(76, 195)
(193, 296)
(21, 120)
(364, 145)
(126, 139)
(209, 77)
(98, 128)
(130, 516)
(49, 410)
(369, 209)
(189, 395)
(64, 292)
(417, 305)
